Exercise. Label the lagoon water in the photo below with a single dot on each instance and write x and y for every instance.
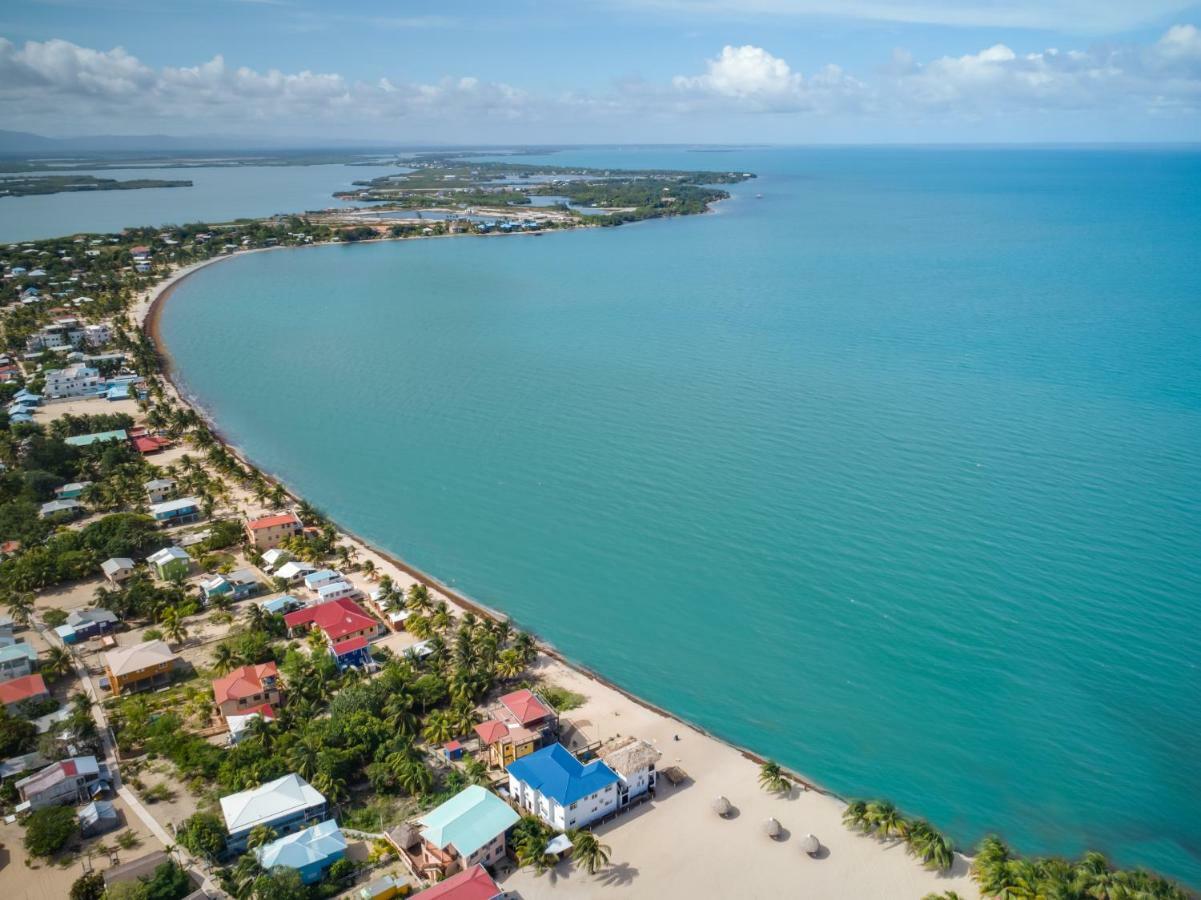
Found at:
(217, 194)
(893, 474)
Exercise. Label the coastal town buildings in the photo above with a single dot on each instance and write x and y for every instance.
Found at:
(339, 620)
(66, 781)
(562, 791)
(17, 659)
(73, 381)
(118, 569)
(471, 884)
(267, 532)
(83, 624)
(144, 666)
(518, 724)
(170, 562)
(634, 761)
(176, 512)
(466, 830)
(16, 691)
(160, 490)
(310, 852)
(247, 687)
(285, 804)
(237, 585)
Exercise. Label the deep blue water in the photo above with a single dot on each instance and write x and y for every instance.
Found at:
(893, 474)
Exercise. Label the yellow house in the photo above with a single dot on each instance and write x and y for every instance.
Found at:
(139, 668)
(506, 743)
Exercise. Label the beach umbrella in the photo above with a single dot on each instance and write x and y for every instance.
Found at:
(771, 828)
(721, 806)
(810, 844)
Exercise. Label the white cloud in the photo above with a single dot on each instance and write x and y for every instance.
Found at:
(60, 87)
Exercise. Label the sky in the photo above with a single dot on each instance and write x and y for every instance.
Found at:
(606, 71)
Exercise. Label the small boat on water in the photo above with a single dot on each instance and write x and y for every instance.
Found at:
(758, 196)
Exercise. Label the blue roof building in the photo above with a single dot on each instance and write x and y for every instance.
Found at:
(562, 791)
(310, 852)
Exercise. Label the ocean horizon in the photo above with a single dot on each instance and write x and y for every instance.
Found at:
(892, 474)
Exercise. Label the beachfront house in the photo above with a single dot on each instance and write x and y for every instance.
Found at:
(286, 805)
(170, 562)
(247, 687)
(176, 512)
(336, 590)
(473, 884)
(118, 569)
(68, 781)
(340, 620)
(139, 668)
(634, 761)
(315, 580)
(16, 691)
(466, 830)
(17, 659)
(562, 791)
(237, 585)
(99, 437)
(310, 852)
(267, 532)
(83, 624)
(160, 490)
(518, 724)
(75, 380)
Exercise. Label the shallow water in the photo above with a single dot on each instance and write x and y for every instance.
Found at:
(893, 474)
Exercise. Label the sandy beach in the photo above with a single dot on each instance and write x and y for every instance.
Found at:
(676, 845)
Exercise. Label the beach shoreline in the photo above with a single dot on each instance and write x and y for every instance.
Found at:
(867, 869)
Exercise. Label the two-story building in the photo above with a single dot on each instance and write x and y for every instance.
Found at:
(176, 512)
(160, 490)
(68, 781)
(518, 724)
(562, 791)
(634, 761)
(247, 687)
(73, 381)
(267, 532)
(286, 805)
(339, 620)
(466, 830)
(310, 852)
(139, 668)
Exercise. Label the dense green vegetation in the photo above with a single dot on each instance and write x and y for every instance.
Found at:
(47, 830)
(59, 184)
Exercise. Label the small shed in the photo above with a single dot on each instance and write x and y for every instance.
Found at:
(98, 817)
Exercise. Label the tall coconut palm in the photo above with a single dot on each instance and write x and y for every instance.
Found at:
(439, 727)
(884, 819)
(509, 664)
(172, 625)
(20, 606)
(305, 756)
(476, 772)
(589, 853)
(224, 658)
(929, 845)
(419, 600)
(855, 815)
(58, 662)
(772, 778)
(414, 777)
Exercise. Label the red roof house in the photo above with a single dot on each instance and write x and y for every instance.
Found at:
(149, 443)
(526, 708)
(339, 619)
(473, 884)
(247, 687)
(18, 690)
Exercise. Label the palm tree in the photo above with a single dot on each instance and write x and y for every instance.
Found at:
(929, 845)
(884, 819)
(476, 772)
(172, 625)
(414, 777)
(854, 816)
(224, 658)
(260, 835)
(20, 607)
(58, 662)
(333, 787)
(244, 875)
(369, 570)
(990, 868)
(588, 852)
(772, 778)
(305, 756)
(526, 646)
(419, 600)
(439, 727)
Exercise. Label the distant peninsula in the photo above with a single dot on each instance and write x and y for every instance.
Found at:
(59, 184)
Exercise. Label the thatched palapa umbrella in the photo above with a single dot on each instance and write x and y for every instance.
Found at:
(722, 807)
(771, 828)
(810, 844)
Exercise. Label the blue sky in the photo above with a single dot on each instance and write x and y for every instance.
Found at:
(607, 70)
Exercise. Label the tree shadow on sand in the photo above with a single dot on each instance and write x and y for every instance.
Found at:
(617, 875)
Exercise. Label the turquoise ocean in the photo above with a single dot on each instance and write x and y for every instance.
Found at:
(892, 474)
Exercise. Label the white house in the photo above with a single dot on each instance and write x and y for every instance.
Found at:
(160, 490)
(73, 381)
(634, 761)
(562, 791)
(315, 580)
(336, 590)
(97, 335)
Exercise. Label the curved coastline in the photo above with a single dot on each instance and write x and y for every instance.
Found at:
(148, 316)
